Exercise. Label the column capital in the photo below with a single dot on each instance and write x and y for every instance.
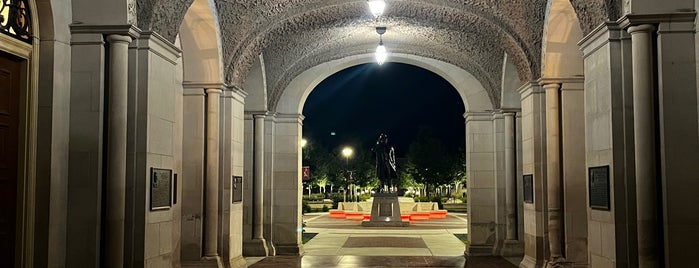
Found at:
(552, 86)
(290, 118)
(635, 20)
(119, 38)
(259, 116)
(642, 28)
(213, 91)
(125, 30)
(478, 116)
(529, 88)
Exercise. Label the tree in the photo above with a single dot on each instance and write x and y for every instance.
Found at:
(430, 162)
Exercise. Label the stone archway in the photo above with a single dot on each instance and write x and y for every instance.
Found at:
(286, 151)
(553, 131)
(211, 152)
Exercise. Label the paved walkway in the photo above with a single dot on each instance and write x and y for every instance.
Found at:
(344, 243)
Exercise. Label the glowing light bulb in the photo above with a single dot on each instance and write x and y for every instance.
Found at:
(377, 7)
(381, 54)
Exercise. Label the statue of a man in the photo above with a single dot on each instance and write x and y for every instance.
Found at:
(385, 163)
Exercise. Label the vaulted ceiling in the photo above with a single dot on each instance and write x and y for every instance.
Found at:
(294, 35)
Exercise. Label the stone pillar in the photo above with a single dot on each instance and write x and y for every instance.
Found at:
(193, 166)
(510, 179)
(678, 118)
(116, 165)
(534, 164)
(609, 142)
(553, 172)
(258, 246)
(482, 186)
(287, 185)
(573, 171)
(644, 137)
(211, 183)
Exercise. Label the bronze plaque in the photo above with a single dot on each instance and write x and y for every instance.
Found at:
(160, 189)
(599, 187)
(528, 185)
(237, 189)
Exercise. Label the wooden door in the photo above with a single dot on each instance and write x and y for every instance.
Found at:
(10, 75)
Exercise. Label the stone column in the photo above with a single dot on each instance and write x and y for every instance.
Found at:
(257, 246)
(510, 179)
(258, 172)
(213, 97)
(644, 139)
(553, 172)
(116, 165)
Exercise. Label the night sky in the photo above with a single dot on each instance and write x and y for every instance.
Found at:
(361, 102)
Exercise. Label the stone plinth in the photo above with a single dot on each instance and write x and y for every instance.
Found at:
(385, 212)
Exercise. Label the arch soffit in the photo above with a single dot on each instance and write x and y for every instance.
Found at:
(472, 93)
(413, 54)
(201, 45)
(561, 57)
(352, 12)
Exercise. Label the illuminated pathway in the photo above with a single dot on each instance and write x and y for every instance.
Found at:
(344, 243)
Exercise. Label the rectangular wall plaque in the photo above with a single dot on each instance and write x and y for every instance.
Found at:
(160, 189)
(528, 185)
(237, 189)
(599, 187)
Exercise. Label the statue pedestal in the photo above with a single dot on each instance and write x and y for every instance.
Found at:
(385, 212)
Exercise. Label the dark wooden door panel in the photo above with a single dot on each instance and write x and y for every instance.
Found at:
(10, 76)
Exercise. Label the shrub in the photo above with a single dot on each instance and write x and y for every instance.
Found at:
(306, 207)
(325, 208)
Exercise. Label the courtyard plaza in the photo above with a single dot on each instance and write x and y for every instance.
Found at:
(345, 243)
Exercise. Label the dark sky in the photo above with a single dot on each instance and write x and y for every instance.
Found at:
(361, 102)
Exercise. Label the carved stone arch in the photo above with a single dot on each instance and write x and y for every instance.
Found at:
(243, 55)
(593, 13)
(405, 55)
(201, 44)
(162, 16)
(473, 94)
(561, 57)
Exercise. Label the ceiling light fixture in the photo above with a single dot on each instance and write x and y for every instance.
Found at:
(377, 7)
(381, 53)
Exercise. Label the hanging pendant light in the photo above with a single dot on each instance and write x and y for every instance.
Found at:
(377, 7)
(381, 53)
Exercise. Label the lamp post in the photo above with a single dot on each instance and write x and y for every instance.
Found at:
(347, 152)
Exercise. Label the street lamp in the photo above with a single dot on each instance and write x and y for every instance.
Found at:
(347, 152)
(303, 143)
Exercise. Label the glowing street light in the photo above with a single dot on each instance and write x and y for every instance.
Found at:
(303, 143)
(347, 152)
(377, 7)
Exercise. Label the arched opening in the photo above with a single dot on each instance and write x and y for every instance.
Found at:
(20, 38)
(287, 134)
(422, 114)
(211, 226)
(557, 215)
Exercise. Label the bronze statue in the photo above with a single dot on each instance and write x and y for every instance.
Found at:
(385, 163)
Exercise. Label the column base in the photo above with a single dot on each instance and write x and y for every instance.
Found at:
(559, 263)
(512, 248)
(255, 248)
(289, 249)
(529, 262)
(238, 261)
(207, 262)
(479, 250)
